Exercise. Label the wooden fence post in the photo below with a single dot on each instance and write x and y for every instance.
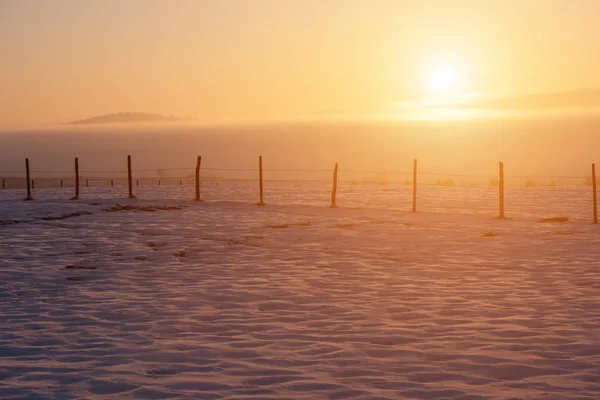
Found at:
(112, 183)
(414, 203)
(334, 190)
(76, 197)
(33, 183)
(61, 183)
(159, 182)
(260, 179)
(501, 190)
(29, 182)
(594, 193)
(137, 182)
(129, 179)
(198, 162)
(3, 184)
(87, 183)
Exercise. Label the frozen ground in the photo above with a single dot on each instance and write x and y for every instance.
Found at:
(227, 300)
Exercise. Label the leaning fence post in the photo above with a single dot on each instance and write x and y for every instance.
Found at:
(260, 179)
(76, 179)
(129, 180)
(594, 193)
(414, 203)
(334, 190)
(28, 180)
(501, 189)
(198, 162)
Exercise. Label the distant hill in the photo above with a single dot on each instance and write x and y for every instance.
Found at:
(123, 117)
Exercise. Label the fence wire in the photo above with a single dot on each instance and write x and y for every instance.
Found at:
(163, 176)
(436, 190)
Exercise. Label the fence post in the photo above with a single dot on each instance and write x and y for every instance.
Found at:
(129, 180)
(594, 193)
(159, 182)
(414, 204)
(29, 182)
(501, 189)
(112, 183)
(87, 183)
(33, 183)
(334, 191)
(198, 162)
(137, 182)
(76, 197)
(3, 184)
(260, 179)
(61, 183)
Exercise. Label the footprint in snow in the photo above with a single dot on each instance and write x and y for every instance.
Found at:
(79, 267)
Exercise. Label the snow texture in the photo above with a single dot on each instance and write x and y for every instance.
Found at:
(295, 300)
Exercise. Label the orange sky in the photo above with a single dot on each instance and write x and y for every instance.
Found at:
(271, 60)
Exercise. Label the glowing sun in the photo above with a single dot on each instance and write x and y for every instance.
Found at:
(444, 79)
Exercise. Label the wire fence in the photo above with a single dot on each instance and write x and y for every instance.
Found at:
(417, 180)
(15, 179)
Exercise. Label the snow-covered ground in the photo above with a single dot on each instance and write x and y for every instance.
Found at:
(228, 300)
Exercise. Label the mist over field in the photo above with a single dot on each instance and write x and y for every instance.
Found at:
(528, 147)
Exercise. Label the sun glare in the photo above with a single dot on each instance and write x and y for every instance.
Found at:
(443, 80)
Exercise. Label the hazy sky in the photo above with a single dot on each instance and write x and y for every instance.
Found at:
(229, 61)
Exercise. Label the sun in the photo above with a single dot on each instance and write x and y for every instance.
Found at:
(443, 79)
